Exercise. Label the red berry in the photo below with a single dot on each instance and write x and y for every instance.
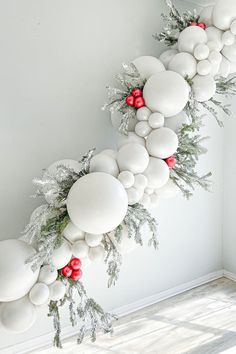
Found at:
(137, 92)
(202, 25)
(193, 24)
(171, 161)
(139, 102)
(76, 274)
(75, 263)
(66, 271)
(129, 100)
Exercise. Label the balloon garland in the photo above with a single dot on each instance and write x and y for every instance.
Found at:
(95, 209)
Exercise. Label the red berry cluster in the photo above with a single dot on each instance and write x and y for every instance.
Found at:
(199, 24)
(72, 270)
(136, 98)
(171, 161)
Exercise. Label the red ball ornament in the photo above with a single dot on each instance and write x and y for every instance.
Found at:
(171, 161)
(76, 274)
(129, 100)
(139, 102)
(75, 263)
(193, 24)
(137, 92)
(202, 25)
(66, 271)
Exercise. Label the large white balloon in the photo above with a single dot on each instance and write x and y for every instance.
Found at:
(157, 173)
(130, 138)
(126, 244)
(215, 35)
(229, 51)
(190, 37)
(39, 294)
(206, 15)
(175, 123)
(204, 87)
(148, 66)
(61, 255)
(104, 163)
(73, 233)
(16, 277)
(72, 164)
(19, 315)
(166, 92)
(47, 275)
(224, 12)
(169, 190)
(116, 118)
(184, 64)
(166, 56)
(97, 203)
(162, 143)
(133, 158)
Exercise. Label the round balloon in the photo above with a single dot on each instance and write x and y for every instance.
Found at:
(204, 67)
(224, 12)
(175, 123)
(229, 51)
(204, 87)
(184, 64)
(190, 37)
(104, 163)
(206, 15)
(162, 143)
(96, 253)
(97, 203)
(93, 240)
(39, 294)
(73, 233)
(61, 255)
(215, 35)
(148, 66)
(80, 249)
(133, 158)
(157, 173)
(201, 52)
(57, 290)
(143, 113)
(156, 120)
(228, 38)
(126, 178)
(18, 315)
(47, 275)
(134, 195)
(16, 276)
(142, 129)
(140, 181)
(130, 138)
(166, 93)
(166, 56)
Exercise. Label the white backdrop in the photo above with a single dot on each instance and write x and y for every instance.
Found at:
(56, 59)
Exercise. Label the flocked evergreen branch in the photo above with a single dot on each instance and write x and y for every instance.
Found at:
(213, 106)
(226, 86)
(113, 259)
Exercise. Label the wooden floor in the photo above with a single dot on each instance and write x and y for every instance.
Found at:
(200, 321)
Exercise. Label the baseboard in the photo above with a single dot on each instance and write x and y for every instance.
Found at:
(45, 340)
(229, 275)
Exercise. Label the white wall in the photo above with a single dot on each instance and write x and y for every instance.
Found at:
(56, 59)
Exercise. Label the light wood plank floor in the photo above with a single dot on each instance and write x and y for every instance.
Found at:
(200, 321)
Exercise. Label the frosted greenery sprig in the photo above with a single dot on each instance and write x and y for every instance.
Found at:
(213, 106)
(174, 23)
(226, 86)
(127, 80)
(113, 259)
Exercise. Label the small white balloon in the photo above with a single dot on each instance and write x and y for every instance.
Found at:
(206, 15)
(145, 200)
(47, 275)
(19, 315)
(157, 173)
(156, 120)
(96, 253)
(80, 249)
(148, 66)
(61, 255)
(190, 37)
(142, 129)
(224, 12)
(229, 52)
(175, 123)
(140, 181)
(104, 163)
(204, 67)
(162, 143)
(130, 138)
(214, 35)
(109, 152)
(133, 158)
(228, 38)
(233, 27)
(184, 64)
(215, 57)
(143, 113)
(93, 240)
(169, 190)
(71, 164)
(72, 233)
(134, 195)
(201, 52)
(126, 178)
(39, 294)
(166, 56)
(57, 290)
(116, 118)
(212, 45)
(204, 87)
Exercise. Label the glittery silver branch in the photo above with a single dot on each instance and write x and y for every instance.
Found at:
(113, 259)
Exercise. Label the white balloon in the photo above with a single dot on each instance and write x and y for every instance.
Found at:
(214, 35)
(72, 233)
(134, 195)
(162, 143)
(18, 315)
(57, 290)
(206, 15)
(212, 45)
(97, 203)
(133, 158)
(93, 240)
(228, 38)
(47, 275)
(130, 138)
(96, 253)
(116, 118)
(224, 12)
(215, 57)
(140, 181)
(204, 67)
(233, 27)
(16, 276)
(145, 200)
(143, 113)
(175, 123)
(204, 87)
(229, 51)
(104, 163)
(190, 37)
(61, 255)
(184, 64)
(72, 164)
(80, 249)
(166, 56)
(148, 66)
(157, 173)
(109, 152)
(156, 120)
(201, 52)
(142, 129)
(224, 69)
(126, 244)
(126, 178)
(39, 294)
(166, 92)
(169, 190)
